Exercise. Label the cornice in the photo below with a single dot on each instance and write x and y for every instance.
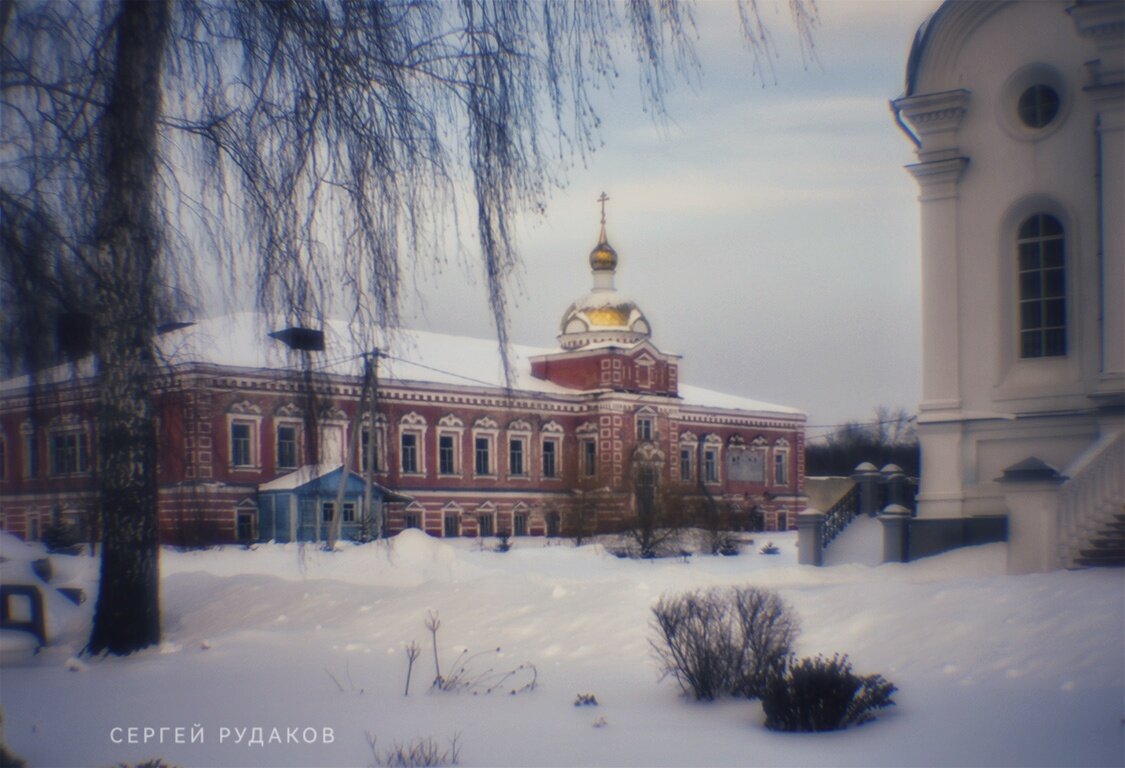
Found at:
(938, 179)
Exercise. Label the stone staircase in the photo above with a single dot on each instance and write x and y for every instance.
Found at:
(1092, 506)
(1107, 546)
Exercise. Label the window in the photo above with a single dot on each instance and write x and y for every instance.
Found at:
(486, 524)
(286, 446)
(30, 453)
(589, 458)
(410, 520)
(521, 523)
(482, 460)
(485, 431)
(452, 525)
(241, 443)
(1038, 105)
(756, 469)
(646, 492)
(710, 466)
(1042, 287)
(686, 473)
(349, 512)
(644, 429)
(447, 457)
(68, 453)
(243, 424)
(781, 468)
(409, 453)
(327, 510)
(515, 456)
(364, 441)
(550, 458)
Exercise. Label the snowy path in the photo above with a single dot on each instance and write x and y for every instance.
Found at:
(992, 669)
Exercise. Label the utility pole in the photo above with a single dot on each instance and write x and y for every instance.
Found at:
(333, 534)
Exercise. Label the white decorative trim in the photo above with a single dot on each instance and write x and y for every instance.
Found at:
(289, 411)
(245, 408)
(452, 421)
(412, 419)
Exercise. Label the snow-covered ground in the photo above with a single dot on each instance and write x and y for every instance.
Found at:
(992, 669)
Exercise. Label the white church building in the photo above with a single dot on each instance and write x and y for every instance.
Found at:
(1016, 109)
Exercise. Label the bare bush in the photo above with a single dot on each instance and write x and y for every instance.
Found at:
(421, 752)
(472, 673)
(823, 695)
(723, 641)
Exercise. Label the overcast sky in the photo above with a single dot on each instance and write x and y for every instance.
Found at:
(770, 234)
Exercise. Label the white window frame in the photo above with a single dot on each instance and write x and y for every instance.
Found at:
(29, 448)
(415, 425)
(485, 429)
(380, 433)
(519, 432)
(296, 426)
(760, 447)
(486, 510)
(713, 446)
(689, 443)
(452, 509)
(73, 457)
(780, 452)
(587, 433)
(452, 427)
(418, 512)
(552, 433)
(521, 510)
(646, 425)
(250, 415)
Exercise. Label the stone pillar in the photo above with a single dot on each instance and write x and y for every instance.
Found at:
(896, 534)
(867, 478)
(894, 480)
(1031, 493)
(810, 537)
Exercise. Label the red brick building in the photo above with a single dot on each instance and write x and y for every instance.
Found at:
(463, 453)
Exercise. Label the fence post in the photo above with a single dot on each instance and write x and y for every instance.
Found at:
(895, 480)
(867, 478)
(1031, 493)
(810, 537)
(896, 533)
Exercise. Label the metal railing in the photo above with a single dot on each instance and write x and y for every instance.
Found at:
(1092, 494)
(841, 513)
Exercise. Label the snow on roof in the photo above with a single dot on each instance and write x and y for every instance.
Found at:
(708, 398)
(299, 477)
(406, 356)
(310, 472)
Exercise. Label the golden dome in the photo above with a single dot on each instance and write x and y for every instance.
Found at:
(603, 257)
(603, 316)
(609, 317)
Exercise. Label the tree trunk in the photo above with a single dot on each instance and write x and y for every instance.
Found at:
(127, 615)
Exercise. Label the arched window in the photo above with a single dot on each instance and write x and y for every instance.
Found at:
(1040, 246)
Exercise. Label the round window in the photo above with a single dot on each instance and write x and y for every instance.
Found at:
(1034, 102)
(1038, 105)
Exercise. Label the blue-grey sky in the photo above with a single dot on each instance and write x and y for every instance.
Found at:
(770, 233)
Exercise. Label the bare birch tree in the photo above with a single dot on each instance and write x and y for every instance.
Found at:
(321, 143)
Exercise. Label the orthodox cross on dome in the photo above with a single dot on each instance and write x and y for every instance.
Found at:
(603, 200)
(603, 257)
